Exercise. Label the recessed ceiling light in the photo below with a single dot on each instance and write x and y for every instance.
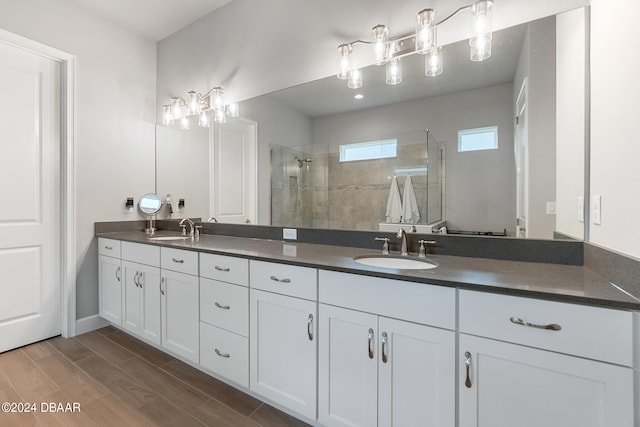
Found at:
(359, 96)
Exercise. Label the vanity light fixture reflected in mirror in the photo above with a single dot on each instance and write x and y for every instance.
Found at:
(179, 110)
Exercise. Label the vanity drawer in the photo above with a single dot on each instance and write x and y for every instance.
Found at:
(284, 279)
(109, 247)
(592, 332)
(225, 268)
(179, 260)
(415, 302)
(225, 306)
(140, 253)
(231, 360)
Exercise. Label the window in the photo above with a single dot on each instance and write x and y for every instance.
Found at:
(478, 139)
(370, 150)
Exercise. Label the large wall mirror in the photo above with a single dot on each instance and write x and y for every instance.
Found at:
(493, 147)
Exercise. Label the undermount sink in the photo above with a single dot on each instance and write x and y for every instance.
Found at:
(165, 238)
(396, 261)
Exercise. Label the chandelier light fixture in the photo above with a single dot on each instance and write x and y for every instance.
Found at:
(179, 110)
(389, 51)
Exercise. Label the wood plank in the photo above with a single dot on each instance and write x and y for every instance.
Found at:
(215, 413)
(163, 413)
(107, 330)
(70, 348)
(230, 396)
(29, 381)
(110, 411)
(105, 348)
(178, 392)
(268, 416)
(142, 349)
(9, 419)
(51, 417)
(37, 350)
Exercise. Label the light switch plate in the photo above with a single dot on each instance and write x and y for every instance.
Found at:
(551, 208)
(290, 234)
(596, 210)
(581, 208)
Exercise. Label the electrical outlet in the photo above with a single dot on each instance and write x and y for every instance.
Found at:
(128, 205)
(581, 208)
(596, 210)
(551, 208)
(290, 234)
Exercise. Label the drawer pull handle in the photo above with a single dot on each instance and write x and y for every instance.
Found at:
(275, 279)
(161, 285)
(549, 327)
(225, 269)
(109, 248)
(384, 346)
(370, 343)
(310, 327)
(118, 274)
(225, 355)
(467, 363)
(179, 261)
(135, 279)
(224, 307)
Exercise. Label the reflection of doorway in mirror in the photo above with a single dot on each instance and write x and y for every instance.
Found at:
(521, 158)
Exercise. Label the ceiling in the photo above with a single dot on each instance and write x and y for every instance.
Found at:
(152, 19)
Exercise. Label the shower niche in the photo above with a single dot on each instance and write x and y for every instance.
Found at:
(332, 185)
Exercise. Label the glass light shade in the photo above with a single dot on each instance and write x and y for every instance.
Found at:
(232, 110)
(434, 62)
(425, 30)
(184, 123)
(344, 63)
(203, 119)
(166, 115)
(218, 97)
(193, 103)
(380, 35)
(219, 116)
(176, 110)
(482, 15)
(354, 81)
(394, 71)
(480, 47)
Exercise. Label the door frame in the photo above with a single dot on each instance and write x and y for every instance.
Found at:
(67, 171)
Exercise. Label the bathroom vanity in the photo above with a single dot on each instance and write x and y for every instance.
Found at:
(303, 326)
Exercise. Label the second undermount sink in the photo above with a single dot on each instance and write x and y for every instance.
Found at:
(167, 238)
(396, 261)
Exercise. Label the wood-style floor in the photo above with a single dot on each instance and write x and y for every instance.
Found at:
(121, 381)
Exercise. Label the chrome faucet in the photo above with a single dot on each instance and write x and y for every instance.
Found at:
(212, 219)
(403, 236)
(184, 227)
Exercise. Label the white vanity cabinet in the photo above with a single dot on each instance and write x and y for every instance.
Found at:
(141, 290)
(386, 352)
(283, 335)
(579, 375)
(109, 280)
(179, 292)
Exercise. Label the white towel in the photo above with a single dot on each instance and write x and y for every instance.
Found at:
(410, 211)
(394, 204)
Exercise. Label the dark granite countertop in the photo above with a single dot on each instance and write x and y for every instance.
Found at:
(554, 282)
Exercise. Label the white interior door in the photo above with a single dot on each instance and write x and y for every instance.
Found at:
(522, 160)
(234, 172)
(30, 244)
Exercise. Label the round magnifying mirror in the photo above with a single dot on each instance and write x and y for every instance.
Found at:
(150, 204)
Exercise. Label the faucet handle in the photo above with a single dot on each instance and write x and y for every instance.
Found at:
(184, 229)
(197, 228)
(423, 252)
(385, 247)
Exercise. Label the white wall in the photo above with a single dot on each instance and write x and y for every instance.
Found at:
(115, 115)
(615, 148)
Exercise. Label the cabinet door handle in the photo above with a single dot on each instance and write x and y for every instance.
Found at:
(225, 269)
(161, 286)
(179, 261)
(109, 248)
(467, 363)
(370, 343)
(275, 279)
(226, 355)
(118, 274)
(549, 327)
(310, 327)
(141, 279)
(135, 279)
(224, 307)
(383, 340)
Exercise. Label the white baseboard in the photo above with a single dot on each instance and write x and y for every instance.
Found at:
(90, 323)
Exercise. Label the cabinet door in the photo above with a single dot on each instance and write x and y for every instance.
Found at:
(513, 385)
(180, 323)
(110, 299)
(416, 375)
(149, 284)
(347, 367)
(131, 305)
(283, 350)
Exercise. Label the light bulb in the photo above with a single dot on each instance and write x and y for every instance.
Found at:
(480, 47)
(433, 62)
(166, 115)
(232, 110)
(354, 81)
(380, 35)
(480, 41)
(184, 123)
(193, 105)
(344, 64)
(219, 116)
(218, 100)
(425, 30)
(394, 72)
(176, 110)
(203, 119)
